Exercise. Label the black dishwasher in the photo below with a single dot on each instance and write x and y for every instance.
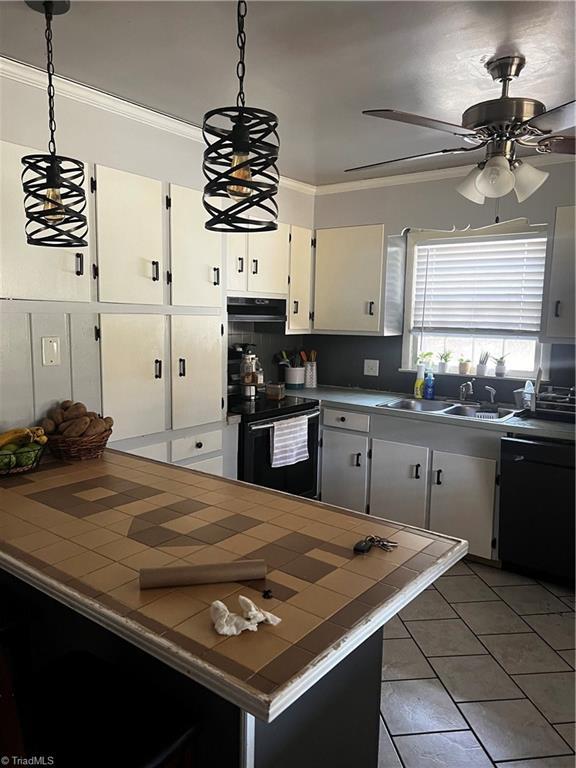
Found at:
(536, 530)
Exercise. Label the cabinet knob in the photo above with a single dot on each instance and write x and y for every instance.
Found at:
(181, 366)
(157, 369)
(342, 418)
(79, 264)
(216, 271)
(240, 263)
(155, 271)
(296, 307)
(254, 266)
(199, 444)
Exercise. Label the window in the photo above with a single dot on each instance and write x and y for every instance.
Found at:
(469, 294)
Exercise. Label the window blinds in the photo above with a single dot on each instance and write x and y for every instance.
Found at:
(491, 285)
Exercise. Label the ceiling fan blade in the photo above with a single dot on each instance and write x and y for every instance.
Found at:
(426, 122)
(555, 120)
(561, 145)
(440, 152)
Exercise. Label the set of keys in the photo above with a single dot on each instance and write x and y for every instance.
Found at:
(364, 546)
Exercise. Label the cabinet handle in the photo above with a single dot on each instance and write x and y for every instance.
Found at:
(371, 308)
(181, 366)
(199, 445)
(216, 275)
(438, 476)
(417, 471)
(357, 462)
(296, 307)
(79, 264)
(557, 305)
(342, 418)
(157, 369)
(155, 271)
(240, 263)
(254, 266)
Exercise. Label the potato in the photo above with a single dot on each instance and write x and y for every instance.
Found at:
(48, 425)
(109, 422)
(66, 404)
(92, 414)
(63, 426)
(75, 411)
(96, 427)
(76, 427)
(57, 415)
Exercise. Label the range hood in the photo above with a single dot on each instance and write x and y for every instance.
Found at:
(249, 310)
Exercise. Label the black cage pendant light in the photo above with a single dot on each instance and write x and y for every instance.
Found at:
(54, 197)
(240, 159)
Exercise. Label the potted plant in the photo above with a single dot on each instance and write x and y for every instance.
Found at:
(482, 363)
(500, 365)
(443, 360)
(464, 366)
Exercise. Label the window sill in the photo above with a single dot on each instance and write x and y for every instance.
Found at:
(473, 374)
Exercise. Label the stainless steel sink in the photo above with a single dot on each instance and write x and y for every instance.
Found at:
(472, 412)
(411, 404)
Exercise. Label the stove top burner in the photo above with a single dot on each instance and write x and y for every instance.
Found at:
(263, 408)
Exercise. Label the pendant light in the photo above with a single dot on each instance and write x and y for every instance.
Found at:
(240, 159)
(54, 197)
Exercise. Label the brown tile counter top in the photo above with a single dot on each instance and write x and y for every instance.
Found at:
(80, 533)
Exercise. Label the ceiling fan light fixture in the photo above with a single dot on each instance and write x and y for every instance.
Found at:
(496, 179)
(528, 180)
(467, 187)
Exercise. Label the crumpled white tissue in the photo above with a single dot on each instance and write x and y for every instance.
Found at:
(228, 623)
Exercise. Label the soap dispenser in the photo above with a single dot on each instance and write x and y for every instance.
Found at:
(429, 386)
(419, 383)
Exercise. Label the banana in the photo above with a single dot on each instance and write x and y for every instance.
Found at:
(19, 436)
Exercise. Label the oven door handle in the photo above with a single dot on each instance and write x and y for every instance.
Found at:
(270, 424)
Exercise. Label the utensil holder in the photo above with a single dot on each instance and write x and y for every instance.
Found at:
(481, 369)
(310, 375)
(294, 378)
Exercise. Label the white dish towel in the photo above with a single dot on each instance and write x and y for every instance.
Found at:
(289, 441)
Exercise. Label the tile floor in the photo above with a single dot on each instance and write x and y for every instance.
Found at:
(479, 672)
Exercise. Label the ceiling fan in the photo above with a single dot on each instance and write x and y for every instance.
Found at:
(499, 126)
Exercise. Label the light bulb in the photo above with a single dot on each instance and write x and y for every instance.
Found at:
(496, 180)
(53, 202)
(240, 191)
(467, 187)
(528, 180)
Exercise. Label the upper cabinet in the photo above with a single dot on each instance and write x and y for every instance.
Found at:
(359, 281)
(258, 262)
(558, 312)
(300, 279)
(32, 271)
(237, 263)
(196, 252)
(129, 211)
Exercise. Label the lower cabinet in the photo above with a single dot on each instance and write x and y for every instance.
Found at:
(399, 482)
(213, 466)
(462, 499)
(344, 469)
(157, 451)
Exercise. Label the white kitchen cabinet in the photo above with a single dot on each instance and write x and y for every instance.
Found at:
(196, 370)
(196, 252)
(133, 373)
(300, 282)
(268, 256)
(462, 499)
(129, 212)
(237, 263)
(33, 271)
(399, 482)
(559, 306)
(156, 451)
(344, 469)
(212, 466)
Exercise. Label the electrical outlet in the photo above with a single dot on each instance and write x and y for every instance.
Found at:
(51, 350)
(371, 367)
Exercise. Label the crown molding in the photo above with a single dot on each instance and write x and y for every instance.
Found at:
(26, 74)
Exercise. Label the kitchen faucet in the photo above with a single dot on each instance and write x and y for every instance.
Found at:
(492, 392)
(467, 389)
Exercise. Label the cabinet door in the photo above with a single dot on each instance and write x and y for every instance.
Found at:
(133, 373)
(398, 487)
(196, 252)
(33, 271)
(196, 370)
(268, 254)
(348, 282)
(560, 319)
(237, 262)
(130, 242)
(462, 499)
(344, 469)
(300, 285)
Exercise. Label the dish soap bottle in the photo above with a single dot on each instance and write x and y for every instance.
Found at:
(419, 383)
(429, 386)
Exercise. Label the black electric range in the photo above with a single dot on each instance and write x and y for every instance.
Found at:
(263, 408)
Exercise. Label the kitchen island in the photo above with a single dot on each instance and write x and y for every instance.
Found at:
(306, 692)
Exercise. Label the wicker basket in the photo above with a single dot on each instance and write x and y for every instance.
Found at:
(78, 448)
(31, 461)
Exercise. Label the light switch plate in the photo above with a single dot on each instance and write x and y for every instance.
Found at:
(371, 367)
(51, 350)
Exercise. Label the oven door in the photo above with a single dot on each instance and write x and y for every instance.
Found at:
(254, 460)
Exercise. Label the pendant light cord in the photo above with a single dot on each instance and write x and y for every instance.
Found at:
(50, 72)
(241, 43)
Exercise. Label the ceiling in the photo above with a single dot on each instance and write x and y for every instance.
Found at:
(316, 64)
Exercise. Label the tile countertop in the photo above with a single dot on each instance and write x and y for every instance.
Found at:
(368, 399)
(80, 532)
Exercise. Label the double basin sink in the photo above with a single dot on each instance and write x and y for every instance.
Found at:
(447, 408)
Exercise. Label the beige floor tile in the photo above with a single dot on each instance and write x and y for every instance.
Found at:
(319, 601)
(290, 521)
(61, 550)
(201, 629)
(80, 565)
(185, 524)
(241, 544)
(149, 558)
(259, 512)
(345, 583)
(94, 539)
(327, 557)
(109, 577)
(93, 494)
(211, 514)
(207, 593)
(131, 595)
(136, 507)
(107, 517)
(295, 622)
(212, 554)
(253, 649)
(33, 541)
(13, 528)
(173, 609)
(373, 568)
(287, 580)
(268, 532)
(73, 528)
(121, 548)
(411, 540)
